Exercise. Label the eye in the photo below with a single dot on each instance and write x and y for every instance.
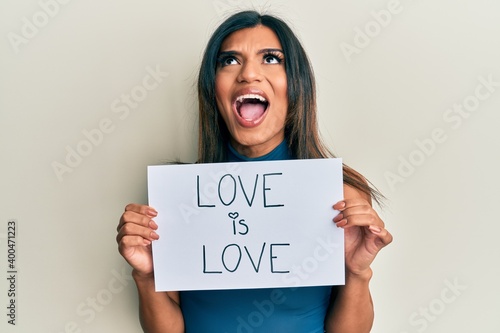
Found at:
(271, 58)
(227, 60)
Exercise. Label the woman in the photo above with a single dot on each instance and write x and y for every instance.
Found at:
(257, 102)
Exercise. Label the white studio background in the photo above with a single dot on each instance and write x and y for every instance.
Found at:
(409, 94)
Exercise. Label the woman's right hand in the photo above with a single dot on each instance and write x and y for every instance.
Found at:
(136, 232)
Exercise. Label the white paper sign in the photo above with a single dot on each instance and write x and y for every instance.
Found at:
(247, 225)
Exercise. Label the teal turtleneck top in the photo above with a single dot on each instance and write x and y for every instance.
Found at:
(274, 310)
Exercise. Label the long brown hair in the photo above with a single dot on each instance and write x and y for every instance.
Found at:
(301, 128)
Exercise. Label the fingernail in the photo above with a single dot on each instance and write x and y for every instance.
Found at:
(341, 223)
(154, 235)
(338, 217)
(153, 225)
(152, 212)
(375, 229)
(339, 205)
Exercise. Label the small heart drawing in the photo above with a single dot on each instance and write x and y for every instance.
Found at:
(233, 215)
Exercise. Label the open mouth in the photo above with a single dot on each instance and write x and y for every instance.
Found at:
(251, 107)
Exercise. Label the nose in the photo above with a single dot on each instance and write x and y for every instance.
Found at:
(250, 71)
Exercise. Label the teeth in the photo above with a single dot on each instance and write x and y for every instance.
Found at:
(254, 96)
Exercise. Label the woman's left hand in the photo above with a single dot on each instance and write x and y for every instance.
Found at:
(364, 232)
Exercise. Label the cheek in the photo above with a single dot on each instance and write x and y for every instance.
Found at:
(282, 89)
(282, 113)
(219, 89)
(220, 94)
(282, 96)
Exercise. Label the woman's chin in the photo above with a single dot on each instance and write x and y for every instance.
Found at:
(255, 145)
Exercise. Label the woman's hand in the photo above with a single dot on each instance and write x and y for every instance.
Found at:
(136, 231)
(364, 231)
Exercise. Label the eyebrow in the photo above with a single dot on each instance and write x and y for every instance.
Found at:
(263, 51)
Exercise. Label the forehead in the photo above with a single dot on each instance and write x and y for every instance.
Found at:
(258, 37)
